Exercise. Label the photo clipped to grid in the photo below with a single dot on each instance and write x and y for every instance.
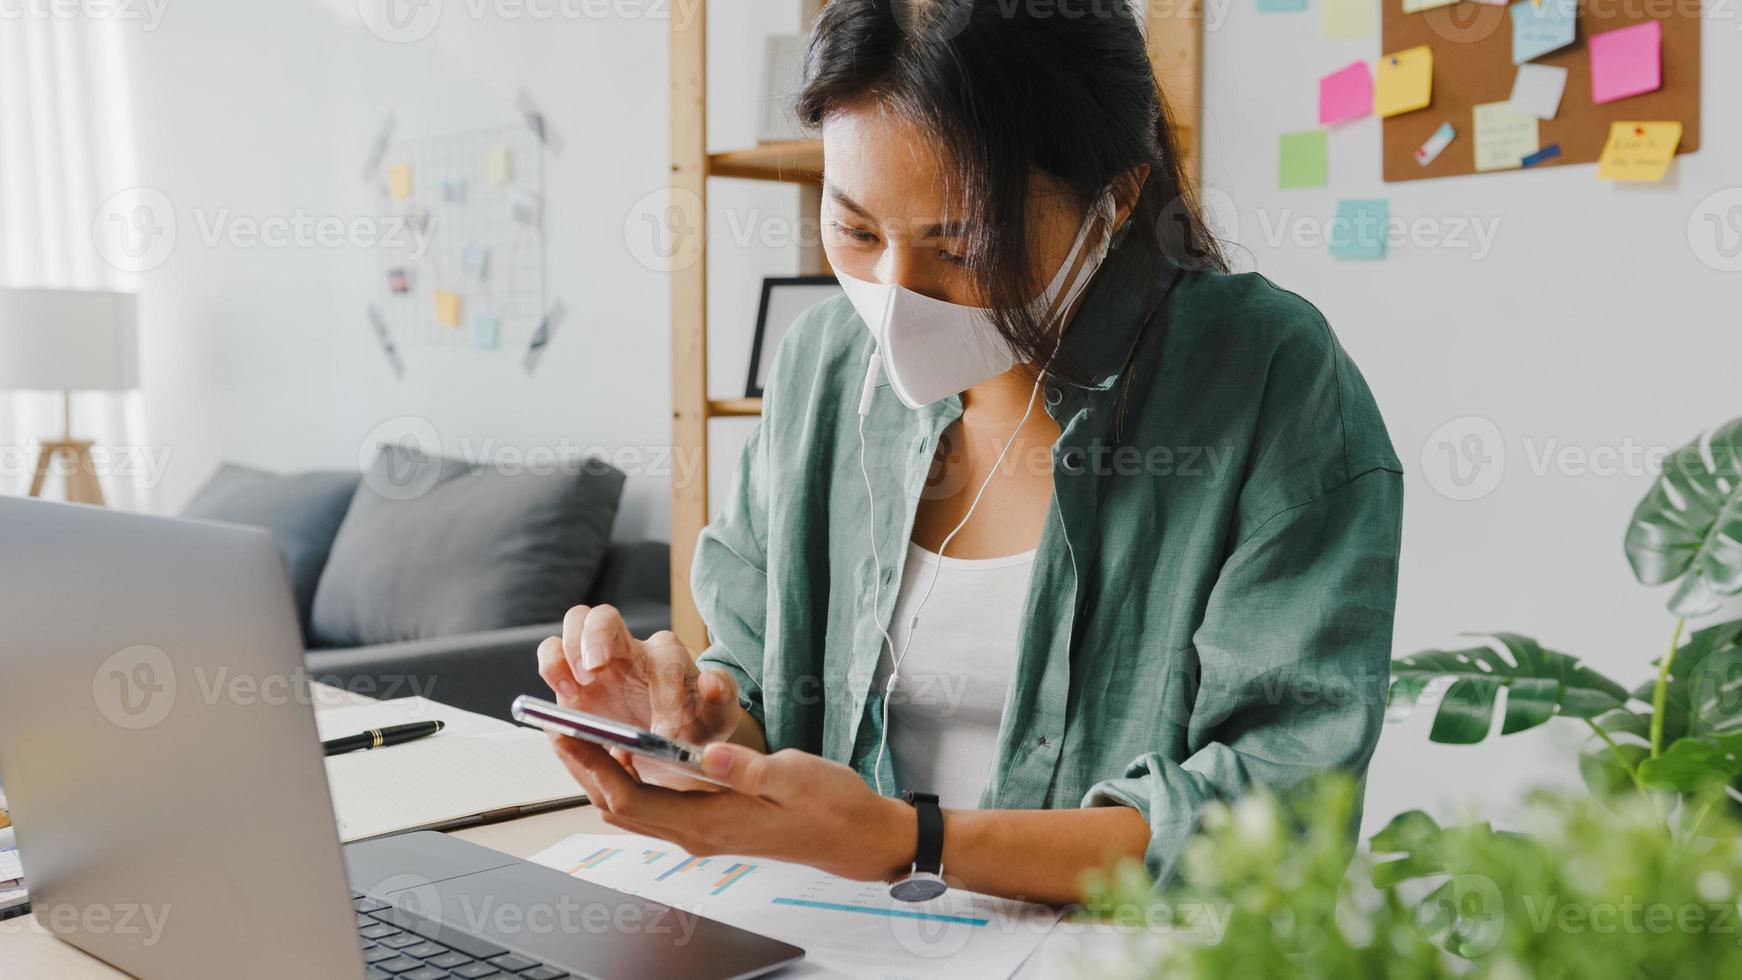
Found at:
(467, 268)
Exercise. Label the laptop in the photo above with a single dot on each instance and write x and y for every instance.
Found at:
(158, 748)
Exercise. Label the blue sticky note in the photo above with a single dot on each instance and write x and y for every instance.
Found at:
(1543, 155)
(1281, 6)
(486, 332)
(1360, 228)
(1538, 29)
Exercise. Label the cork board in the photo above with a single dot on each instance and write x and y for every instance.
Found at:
(1472, 45)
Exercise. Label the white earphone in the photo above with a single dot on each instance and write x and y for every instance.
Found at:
(895, 657)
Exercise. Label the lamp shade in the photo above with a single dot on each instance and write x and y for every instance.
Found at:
(68, 340)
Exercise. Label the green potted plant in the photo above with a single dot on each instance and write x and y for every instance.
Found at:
(1671, 739)
(1640, 879)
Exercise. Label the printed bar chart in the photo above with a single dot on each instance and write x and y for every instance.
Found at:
(596, 858)
(733, 873)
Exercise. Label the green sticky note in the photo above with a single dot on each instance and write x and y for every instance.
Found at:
(486, 332)
(1303, 160)
(1360, 229)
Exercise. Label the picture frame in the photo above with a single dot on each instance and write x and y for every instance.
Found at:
(784, 298)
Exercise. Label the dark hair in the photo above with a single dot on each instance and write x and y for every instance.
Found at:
(1065, 88)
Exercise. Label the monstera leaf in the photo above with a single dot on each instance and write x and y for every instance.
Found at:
(1689, 526)
(1704, 693)
(1539, 683)
(1695, 765)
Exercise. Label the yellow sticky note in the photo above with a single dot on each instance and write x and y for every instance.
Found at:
(1347, 19)
(1639, 150)
(499, 166)
(1404, 81)
(447, 308)
(1504, 136)
(399, 181)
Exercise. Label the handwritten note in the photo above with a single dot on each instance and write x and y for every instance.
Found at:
(447, 308)
(1639, 151)
(1303, 160)
(1360, 229)
(1345, 19)
(1537, 89)
(399, 181)
(1626, 62)
(1406, 81)
(1504, 136)
(1346, 94)
(1541, 26)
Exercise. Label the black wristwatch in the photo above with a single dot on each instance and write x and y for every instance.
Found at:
(925, 880)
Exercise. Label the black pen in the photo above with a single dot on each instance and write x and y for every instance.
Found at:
(377, 738)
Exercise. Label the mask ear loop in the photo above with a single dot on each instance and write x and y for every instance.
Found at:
(866, 394)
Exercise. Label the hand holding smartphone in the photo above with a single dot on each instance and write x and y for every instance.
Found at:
(669, 753)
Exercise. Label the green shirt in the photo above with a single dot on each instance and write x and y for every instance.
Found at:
(1212, 596)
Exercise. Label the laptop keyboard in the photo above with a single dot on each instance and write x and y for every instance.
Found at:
(401, 946)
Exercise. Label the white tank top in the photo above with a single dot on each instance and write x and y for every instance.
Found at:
(948, 702)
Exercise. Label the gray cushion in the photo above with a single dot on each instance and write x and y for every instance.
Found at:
(434, 547)
(302, 511)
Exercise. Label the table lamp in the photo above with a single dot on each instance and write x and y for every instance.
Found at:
(68, 340)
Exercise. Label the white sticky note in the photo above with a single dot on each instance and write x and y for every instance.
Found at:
(1536, 91)
(1417, 6)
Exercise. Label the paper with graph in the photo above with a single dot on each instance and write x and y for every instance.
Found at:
(846, 927)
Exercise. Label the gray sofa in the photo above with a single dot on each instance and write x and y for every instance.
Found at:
(431, 576)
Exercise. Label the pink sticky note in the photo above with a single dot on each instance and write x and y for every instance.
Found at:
(1626, 62)
(1346, 94)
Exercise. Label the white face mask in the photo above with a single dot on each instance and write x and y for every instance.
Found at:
(931, 349)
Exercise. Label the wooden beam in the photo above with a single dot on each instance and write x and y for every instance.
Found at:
(689, 313)
(1175, 30)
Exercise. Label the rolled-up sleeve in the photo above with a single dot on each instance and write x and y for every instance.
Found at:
(1292, 658)
(730, 579)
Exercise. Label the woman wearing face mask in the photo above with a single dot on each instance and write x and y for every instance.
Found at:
(1050, 517)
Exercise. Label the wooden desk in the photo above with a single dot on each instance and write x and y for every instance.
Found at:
(30, 952)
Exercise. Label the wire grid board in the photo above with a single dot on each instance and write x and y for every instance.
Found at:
(484, 241)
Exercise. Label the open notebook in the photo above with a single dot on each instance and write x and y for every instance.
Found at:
(477, 770)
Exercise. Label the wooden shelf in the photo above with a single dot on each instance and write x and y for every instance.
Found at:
(733, 408)
(798, 162)
(1175, 41)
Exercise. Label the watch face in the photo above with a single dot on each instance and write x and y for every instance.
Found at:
(920, 887)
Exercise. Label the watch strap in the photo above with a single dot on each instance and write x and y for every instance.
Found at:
(929, 854)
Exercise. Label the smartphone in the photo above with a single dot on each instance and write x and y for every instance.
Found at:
(538, 713)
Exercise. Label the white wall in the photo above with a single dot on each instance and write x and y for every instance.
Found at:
(1592, 324)
(264, 111)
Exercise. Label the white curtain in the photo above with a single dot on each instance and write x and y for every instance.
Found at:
(66, 145)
